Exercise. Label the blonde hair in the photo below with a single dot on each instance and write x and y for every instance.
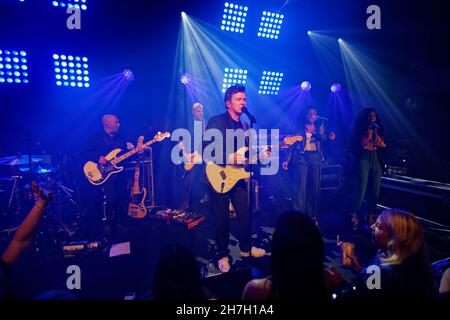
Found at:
(406, 235)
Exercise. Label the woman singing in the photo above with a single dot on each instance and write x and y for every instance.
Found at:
(366, 141)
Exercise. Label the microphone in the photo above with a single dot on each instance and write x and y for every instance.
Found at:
(322, 118)
(249, 115)
(374, 125)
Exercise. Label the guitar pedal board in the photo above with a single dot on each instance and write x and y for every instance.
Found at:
(189, 219)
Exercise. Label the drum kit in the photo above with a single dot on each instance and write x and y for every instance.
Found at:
(16, 197)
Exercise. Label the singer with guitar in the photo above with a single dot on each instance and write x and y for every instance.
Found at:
(366, 144)
(235, 104)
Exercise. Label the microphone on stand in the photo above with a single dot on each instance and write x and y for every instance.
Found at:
(322, 118)
(374, 125)
(249, 115)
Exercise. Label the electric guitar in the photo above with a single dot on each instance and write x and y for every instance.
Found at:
(191, 158)
(223, 178)
(98, 174)
(136, 207)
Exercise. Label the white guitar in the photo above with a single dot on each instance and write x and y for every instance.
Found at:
(223, 178)
(97, 174)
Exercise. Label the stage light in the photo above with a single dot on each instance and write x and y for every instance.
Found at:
(340, 40)
(71, 3)
(309, 33)
(270, 82)
(270, 25)
(66, 70)
(306, 86)
(13, 66)
(234, 17)
(185, 78)
(127, 74)
(233, 76)
(335, 88)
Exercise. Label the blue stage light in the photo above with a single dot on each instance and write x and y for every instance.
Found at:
(233, 76)
(127, 74)
(270, 83)
(306, 86)
(234, 15)
(70, 3)
(335, 88)
(12, 66)
(69, 71)
(270, 25)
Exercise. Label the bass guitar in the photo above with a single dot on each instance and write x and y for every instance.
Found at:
(98, 174)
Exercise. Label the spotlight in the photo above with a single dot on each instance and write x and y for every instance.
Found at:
(71, 70)
(309, 33)
(232, 77)
(185, 78)
(306, 86)
(128, 75)
(233, 18)
(270, 25)
(183, 15)
(70, 3)
(340, 40)
(335, 88)
(13, 67)
(270, 82)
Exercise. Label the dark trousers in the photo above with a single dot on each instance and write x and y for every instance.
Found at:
(194, 188)
(368, 179)
(307, 182)
(220, 204)
(115, 197)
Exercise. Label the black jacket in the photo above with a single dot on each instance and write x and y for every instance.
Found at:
(222, 122)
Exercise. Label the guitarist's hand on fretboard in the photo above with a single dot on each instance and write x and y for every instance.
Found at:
(237, 158)
(102, 160)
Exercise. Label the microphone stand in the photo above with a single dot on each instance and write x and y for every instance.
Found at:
(249, 188)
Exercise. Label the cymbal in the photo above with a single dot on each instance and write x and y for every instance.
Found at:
(40, 169)
(19, 160)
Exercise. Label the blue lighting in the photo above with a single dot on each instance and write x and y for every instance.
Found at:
(70, 70)
(270, 83)
(306, 86)
(13, 66)
(70, 3)
(269, 27)
(235, 18)
(233, 77)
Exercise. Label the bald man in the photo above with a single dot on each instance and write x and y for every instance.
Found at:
(114, 190)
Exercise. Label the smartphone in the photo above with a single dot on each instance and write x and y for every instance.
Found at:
(348, 249)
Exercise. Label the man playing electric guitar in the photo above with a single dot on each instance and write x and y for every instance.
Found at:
(194, 183)
(114, 190)
(235, 101)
